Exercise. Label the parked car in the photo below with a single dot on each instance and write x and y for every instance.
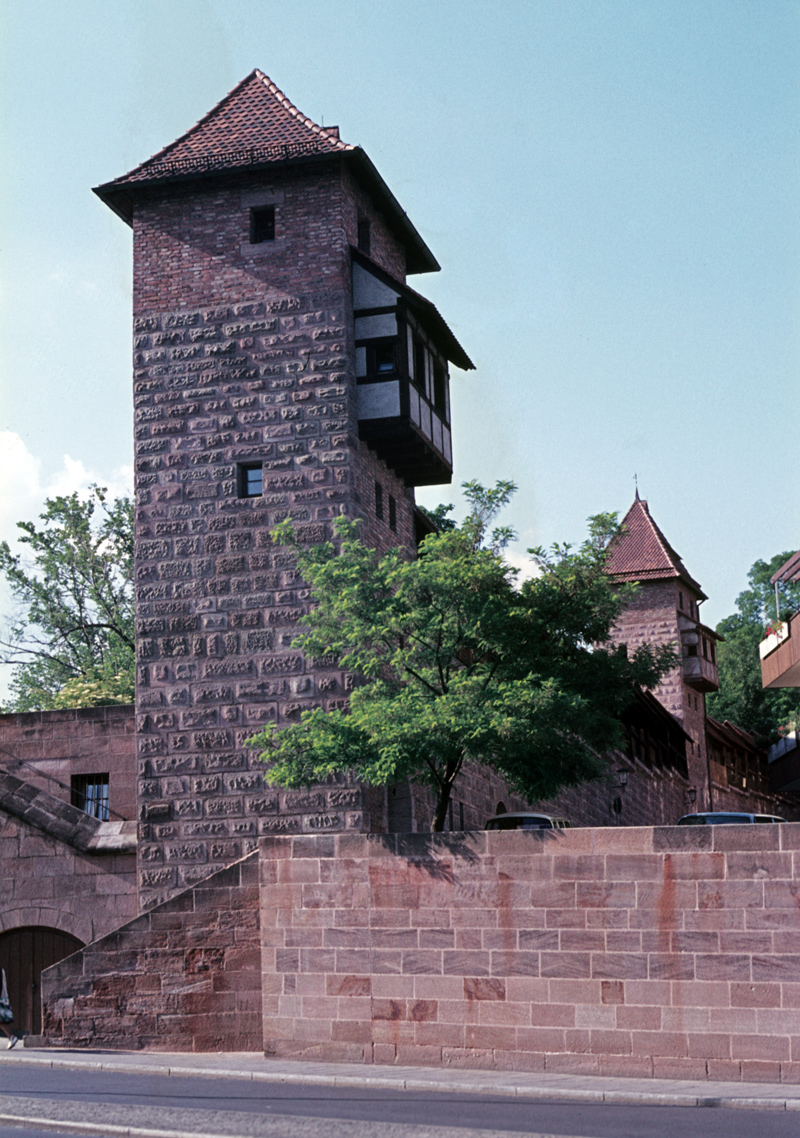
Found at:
(725, 818)
(524, 821)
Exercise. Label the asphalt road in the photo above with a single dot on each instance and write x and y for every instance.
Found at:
(112, 1102)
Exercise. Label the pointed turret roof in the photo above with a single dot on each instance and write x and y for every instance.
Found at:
(255, 126)
(642, 553)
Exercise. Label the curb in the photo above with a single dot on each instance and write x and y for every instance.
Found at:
(418, 1084)
(101, 1128)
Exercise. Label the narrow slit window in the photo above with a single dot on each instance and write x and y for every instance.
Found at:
(392, 513)
(379, 501)
(364, 235)
(262, 224)
(251, 480)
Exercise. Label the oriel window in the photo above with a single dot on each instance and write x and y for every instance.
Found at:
(381, 358)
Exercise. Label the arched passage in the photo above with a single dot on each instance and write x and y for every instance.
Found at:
(25, 953)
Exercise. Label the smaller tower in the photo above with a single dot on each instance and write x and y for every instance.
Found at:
(665, 610)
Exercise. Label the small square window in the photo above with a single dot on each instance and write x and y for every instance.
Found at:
(381, 359)
(364, 235)
(262, 224)
(89, 792)
(251, 480)
(379, 501)
(392, 513)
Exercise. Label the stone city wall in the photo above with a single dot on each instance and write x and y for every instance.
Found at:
(183, 977)
(45, 748)
(44, 881)
(632, 951)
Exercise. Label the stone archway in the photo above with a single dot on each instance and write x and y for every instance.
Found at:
(24, 954)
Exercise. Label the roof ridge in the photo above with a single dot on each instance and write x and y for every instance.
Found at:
(670, 554)
(289, 106)
(171, 145)
(284, 102)
(630, 558)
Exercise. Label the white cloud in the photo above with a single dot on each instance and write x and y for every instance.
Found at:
(24, 488)
(526, 567)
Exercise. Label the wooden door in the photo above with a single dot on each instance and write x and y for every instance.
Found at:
(25, 953)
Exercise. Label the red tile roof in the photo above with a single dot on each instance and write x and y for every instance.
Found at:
(253, 127)
(642, 553)
(254, 123)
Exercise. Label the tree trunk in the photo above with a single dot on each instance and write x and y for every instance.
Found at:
(440, 817)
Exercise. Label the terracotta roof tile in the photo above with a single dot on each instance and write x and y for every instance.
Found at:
(254, 123)
(253, 127)
(642, 553)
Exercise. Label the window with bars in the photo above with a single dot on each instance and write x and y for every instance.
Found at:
(89, 792)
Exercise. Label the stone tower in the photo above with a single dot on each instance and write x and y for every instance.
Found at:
(665, 610)
(282, 367)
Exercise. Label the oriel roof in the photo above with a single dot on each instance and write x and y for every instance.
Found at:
(253, 127)
(642, 553)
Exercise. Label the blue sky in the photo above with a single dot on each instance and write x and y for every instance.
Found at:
(610, 187)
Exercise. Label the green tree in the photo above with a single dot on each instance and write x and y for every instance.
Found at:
(72, 639)
(455, 662)
(740, 698)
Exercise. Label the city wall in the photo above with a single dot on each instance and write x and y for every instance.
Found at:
(633, 951)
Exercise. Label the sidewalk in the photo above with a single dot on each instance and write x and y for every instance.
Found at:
(567, 1088)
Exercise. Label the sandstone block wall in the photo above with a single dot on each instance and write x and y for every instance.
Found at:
(54, 745)
(243, 353)
(46, 882)
(632, 951)
(183, 977)
(652, 617)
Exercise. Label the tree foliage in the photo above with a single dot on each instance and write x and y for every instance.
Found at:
(72, 640)
(454, 661)
(740, 698)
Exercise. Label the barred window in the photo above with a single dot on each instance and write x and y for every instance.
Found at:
(89, 792)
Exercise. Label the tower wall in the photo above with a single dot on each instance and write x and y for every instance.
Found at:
(242, 353)
(652, 617)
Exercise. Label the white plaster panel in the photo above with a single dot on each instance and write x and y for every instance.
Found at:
(446, 448)
(425, 420)
(379, 400)
(369, 292)
(369, 327)
(437, 433)
(413, 400)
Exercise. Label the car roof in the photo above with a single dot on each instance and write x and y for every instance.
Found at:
(524, 814)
